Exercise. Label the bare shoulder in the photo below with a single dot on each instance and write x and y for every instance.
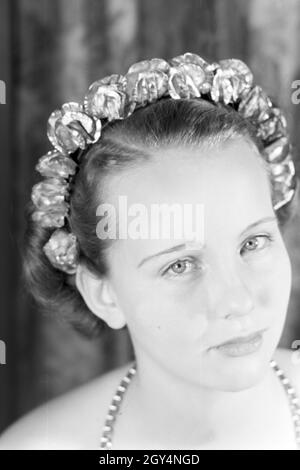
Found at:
(71, 421)
(289, 361)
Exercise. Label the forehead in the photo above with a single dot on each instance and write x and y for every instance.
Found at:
(231, 173)
(230, 183)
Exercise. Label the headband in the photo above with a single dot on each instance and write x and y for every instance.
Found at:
(77, 125)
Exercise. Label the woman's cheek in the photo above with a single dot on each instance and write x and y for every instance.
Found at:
(164, 319)
(274, 284)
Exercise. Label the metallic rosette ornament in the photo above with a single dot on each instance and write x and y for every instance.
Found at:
(56, 165)
(274, 127)
(115, 97)
(271, 127)
(231, 80)
(107, 99)
(71, 128)
(62, 251)
(50, 194)
(255, 104)
(189, 77)
(279, 157)
(147, 81)
(50, 197)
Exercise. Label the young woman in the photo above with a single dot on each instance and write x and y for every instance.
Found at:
(205, 309)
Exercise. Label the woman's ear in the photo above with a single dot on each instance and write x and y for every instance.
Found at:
(100, 298)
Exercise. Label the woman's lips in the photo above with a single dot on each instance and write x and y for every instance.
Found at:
(241, 345)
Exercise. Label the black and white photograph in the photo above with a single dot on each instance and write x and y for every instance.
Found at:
(150, 233)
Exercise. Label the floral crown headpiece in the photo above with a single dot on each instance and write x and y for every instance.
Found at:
(116, 97)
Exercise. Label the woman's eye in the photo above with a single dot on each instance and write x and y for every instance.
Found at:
(257, 243)
(180, 267)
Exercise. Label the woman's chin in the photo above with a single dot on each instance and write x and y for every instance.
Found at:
(241, 371)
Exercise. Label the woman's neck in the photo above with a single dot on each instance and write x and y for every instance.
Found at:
(160, 397)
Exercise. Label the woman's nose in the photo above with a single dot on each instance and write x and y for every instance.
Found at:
(232, 297)
(237, 301)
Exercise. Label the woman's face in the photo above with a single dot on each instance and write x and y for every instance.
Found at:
(181, 304)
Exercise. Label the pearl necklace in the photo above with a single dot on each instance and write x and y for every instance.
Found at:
(106, 439)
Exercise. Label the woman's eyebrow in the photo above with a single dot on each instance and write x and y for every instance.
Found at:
(168, 250)
(182, 246)
(258, 222)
